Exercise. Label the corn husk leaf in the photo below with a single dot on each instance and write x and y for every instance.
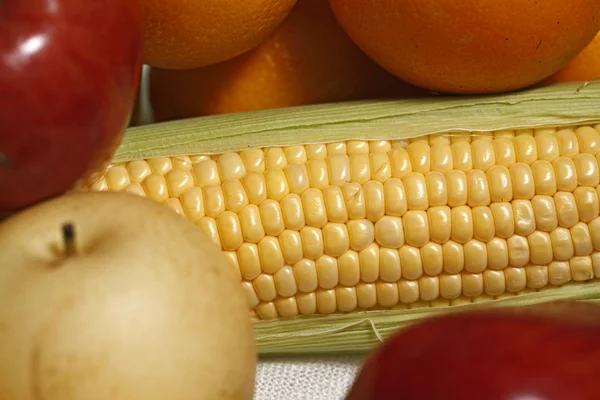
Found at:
(360, 332)
(548, 106)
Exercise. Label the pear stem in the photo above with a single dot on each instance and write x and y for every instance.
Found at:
(68, 232)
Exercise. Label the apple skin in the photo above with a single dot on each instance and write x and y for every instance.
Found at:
(492, 355)
(69, 74)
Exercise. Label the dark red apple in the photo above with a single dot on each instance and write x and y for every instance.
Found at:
(488, 355)
(69, 73)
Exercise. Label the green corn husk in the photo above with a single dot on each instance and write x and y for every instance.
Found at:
(360, 332)
(555, 105)
(559, 105)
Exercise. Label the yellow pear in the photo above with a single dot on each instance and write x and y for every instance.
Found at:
(110, 296)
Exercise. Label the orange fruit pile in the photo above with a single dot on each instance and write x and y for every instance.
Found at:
(214, 56)
(584, 67)
(184, 34)
(470, 47)
(307, 60)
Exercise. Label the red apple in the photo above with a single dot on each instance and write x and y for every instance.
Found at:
(491, 355)
(69, 73)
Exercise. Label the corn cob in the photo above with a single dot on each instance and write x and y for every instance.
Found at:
(442, 218)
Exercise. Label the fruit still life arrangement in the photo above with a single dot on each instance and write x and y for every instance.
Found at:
(189, 186)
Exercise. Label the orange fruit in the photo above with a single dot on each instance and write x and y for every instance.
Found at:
(470, 46)
(584, 67)
(185, 34)
(307, 60)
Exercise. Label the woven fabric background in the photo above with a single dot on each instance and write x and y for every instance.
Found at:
(322, 378)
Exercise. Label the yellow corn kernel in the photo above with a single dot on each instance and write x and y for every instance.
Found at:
(483, 154)
(441, 157)
(400, 162)
(362, 225)
(525, 148)
(433, 258)
(462, 156)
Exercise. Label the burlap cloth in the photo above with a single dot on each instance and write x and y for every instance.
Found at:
(323, 378)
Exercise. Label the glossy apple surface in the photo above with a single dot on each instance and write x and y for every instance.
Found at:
(487, 355)
(69, 73)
